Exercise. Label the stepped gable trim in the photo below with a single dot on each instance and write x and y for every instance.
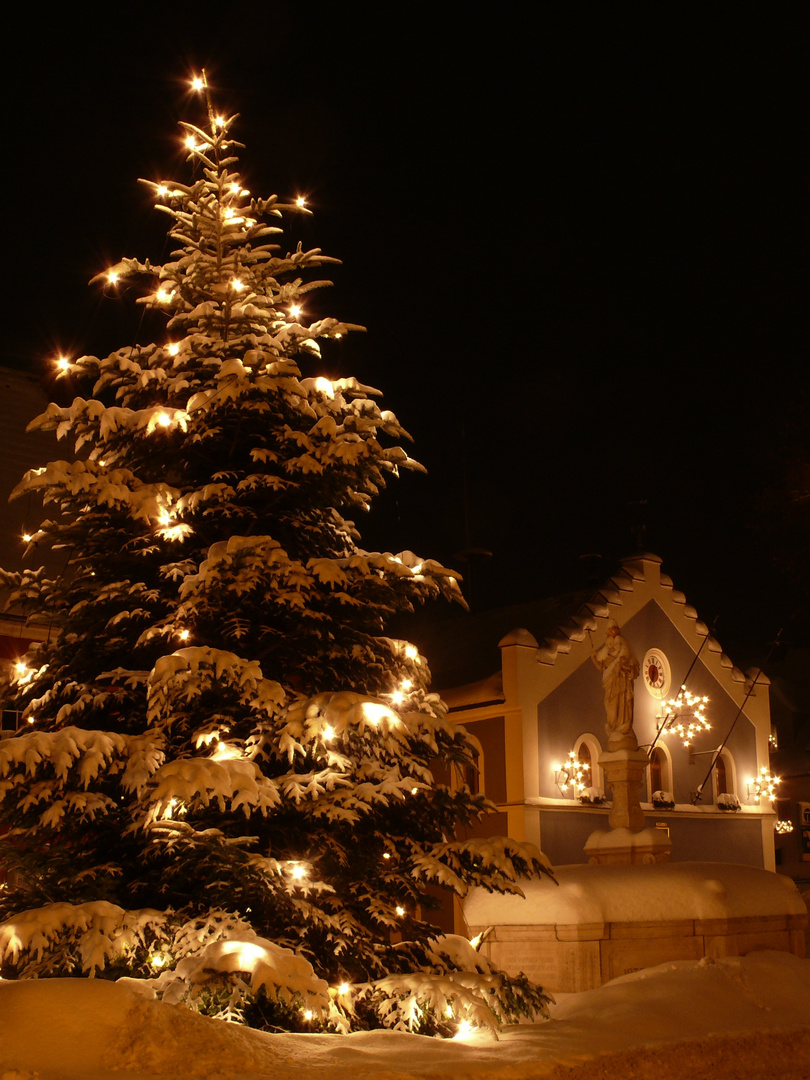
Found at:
(621, 597)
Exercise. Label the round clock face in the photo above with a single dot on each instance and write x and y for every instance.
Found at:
(655, 670)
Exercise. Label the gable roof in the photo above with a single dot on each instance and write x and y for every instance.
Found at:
(465, 650)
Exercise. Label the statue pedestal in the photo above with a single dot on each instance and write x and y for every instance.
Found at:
(627, 841)
(624, 772)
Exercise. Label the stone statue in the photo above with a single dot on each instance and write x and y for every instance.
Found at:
(620, 668)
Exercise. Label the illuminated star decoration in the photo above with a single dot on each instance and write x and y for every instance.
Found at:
(685, 715)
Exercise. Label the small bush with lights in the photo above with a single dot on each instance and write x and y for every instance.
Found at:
(223, 787)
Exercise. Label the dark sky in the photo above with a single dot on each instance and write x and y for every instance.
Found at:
(578, 239)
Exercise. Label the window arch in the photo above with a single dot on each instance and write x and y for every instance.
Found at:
(725, 775)
(588, 751)
(659, 773)
(473, 774)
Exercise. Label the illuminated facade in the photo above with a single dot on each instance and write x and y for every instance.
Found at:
(539, 725)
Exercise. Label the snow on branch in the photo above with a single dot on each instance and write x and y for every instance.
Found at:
(86, 936)
(186, 674)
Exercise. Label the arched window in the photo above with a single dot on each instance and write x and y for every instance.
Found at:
(659, 774)
(588, 751)
(586, 764)
(725, 775)
(473, 774)
(720, 777)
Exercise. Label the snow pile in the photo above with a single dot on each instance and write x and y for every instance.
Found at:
(757, 1006)
(662, 892)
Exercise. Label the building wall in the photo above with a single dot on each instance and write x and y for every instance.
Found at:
(553, 699)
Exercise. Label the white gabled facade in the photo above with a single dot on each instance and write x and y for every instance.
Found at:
(548, 702)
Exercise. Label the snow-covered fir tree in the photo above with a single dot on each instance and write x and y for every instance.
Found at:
(225, 786)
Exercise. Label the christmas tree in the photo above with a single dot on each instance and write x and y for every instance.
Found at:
(225, 785)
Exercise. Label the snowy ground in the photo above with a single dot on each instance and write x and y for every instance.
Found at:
(738, 1017)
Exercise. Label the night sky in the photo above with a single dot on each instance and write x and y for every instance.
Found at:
(578, 240)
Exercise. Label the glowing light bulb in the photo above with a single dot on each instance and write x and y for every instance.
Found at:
(62, 363)
(164, 419)
(397, 697)
(27, 537)
(295, 310)
(308, 1014)
(301, 201)
(464, 1029)
(386, 855)
(325, 386)
(191, 142)
(219, 121)
(183, 635)
(399, 910)
(162, 191)
(344, 988)
(173, 348)
(411, 652)
(113, 277)
(237, 285)
(406, 684)
(163, 296)
(298, 872)
(158, 960)
(198, 83)
(328, 733)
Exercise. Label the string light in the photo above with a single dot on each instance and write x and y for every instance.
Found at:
(237, 285)
(684, 715)
(295, 310)
(62, 363)
(27, 537)
(783, 827)
(570, 774)
(198, 83)
(328, 733)
(399, 910)
(763, 786)
(163, 295)
(113, 277)
(23, 672)
(172, 348)
(325, 386)
(344, 988)
(298, 872)
(301, 201)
